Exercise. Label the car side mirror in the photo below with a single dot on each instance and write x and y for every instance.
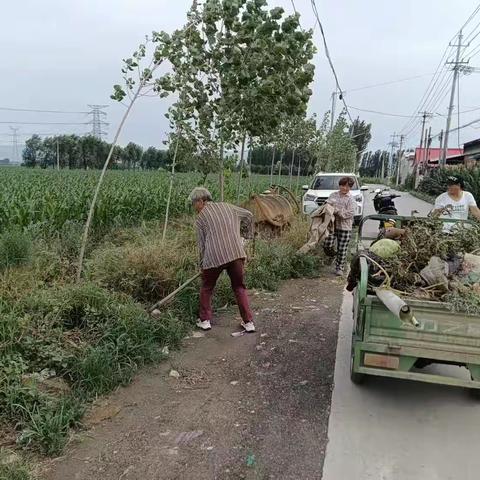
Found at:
(364, 188)
(304, 188)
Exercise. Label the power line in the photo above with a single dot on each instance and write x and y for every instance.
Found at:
(10, 109)
(379, 113)
(470, 18)
(329, 58)
(387, 83)
(429, 89)
(47, 123)
(459, 128)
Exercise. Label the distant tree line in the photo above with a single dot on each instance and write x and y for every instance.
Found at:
(89, 152)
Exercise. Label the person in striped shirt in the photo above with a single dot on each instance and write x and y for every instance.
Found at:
(221, 248)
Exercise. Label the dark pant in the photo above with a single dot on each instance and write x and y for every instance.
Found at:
(235, 271)
(340, 238)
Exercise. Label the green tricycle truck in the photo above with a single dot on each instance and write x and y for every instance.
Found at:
(383, 345)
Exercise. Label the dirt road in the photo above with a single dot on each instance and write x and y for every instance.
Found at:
(252, 407)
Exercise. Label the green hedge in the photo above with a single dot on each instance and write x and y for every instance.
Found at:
(436, 182)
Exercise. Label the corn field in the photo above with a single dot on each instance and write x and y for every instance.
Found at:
(50, 198)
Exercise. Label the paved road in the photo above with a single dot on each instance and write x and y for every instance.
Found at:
(391, 429)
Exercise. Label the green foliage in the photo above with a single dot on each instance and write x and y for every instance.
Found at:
(339, 151)
(88, 152)
(435, 182)
(56, 202)
(374, 163)
(47, 427)
(12, 468)
(15, 249)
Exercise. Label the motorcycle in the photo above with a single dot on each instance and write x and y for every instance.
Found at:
(383, 202)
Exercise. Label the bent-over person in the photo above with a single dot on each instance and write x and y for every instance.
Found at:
(221, 248)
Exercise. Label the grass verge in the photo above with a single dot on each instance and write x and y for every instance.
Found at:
(62, 344)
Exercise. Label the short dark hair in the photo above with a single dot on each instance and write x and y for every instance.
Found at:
(454, 180)
(347, 181)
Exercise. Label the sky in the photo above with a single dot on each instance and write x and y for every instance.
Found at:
(66, 54)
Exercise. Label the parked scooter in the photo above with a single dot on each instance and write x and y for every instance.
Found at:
(384, 205)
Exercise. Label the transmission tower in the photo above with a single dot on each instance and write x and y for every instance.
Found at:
(15, 143)
(98, 120)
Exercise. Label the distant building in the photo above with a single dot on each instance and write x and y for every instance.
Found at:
(5, 161)
(429, 157)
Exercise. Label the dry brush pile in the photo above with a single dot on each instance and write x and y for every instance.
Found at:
(425, 239)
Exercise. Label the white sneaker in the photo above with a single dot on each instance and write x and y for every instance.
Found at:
(205, 325)
(249, 327)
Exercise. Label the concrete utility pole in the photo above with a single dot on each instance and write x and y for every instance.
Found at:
(425, 115)
(58, 156)
(15, 143)
(392, 144)
(332, 113)
(399, 158)
(456, 68)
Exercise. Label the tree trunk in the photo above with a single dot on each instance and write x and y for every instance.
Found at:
(298, 172)
(222, 173)
(242, 151)
(170, 189)
(99, 184)
(249, 160)
(280, 168)
(273, 165)
(291, 169)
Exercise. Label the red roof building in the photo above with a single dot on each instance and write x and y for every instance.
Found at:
(432, 155)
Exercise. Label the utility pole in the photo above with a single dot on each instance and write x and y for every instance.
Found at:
(98, 122)
(399, 157)
(334, 103)
(390, 160)
(58, 156)
(15, 143)
(456, 68)
(428, 143)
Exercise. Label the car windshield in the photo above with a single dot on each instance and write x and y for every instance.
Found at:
(330, 182)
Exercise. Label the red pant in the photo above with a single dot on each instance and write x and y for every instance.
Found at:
(210, 276)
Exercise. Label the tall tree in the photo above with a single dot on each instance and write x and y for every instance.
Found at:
(361, 136)
(339, 154)
(32, 154)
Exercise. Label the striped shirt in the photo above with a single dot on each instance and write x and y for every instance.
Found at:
(218, 233)
(344, 210)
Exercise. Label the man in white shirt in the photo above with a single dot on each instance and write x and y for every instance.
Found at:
(455, 203)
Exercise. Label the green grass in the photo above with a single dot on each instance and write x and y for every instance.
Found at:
(92, 337)
(12, 467)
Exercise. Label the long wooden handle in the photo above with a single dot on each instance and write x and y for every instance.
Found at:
(171, 295)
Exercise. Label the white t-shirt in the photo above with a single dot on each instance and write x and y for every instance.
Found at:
(459, 209)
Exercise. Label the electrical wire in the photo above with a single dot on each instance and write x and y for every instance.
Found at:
(329, 58)
(430, 86)
(38, 111)
(459, 128)
(47, 123)
(387, 83)
(470, 18)
(379, 113)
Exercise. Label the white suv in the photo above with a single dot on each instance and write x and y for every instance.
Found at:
(324, 184)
